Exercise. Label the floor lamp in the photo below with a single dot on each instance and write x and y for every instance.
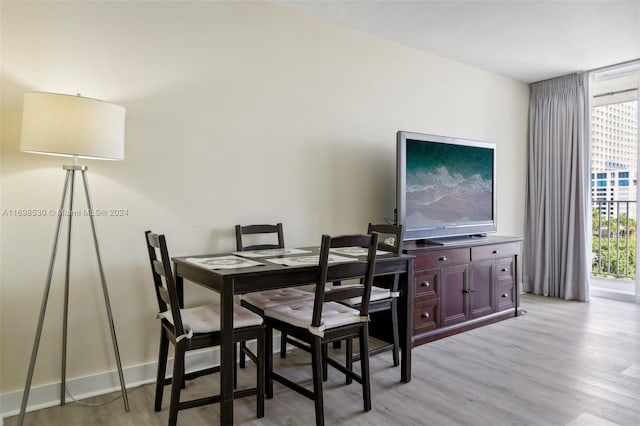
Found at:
(77, 127)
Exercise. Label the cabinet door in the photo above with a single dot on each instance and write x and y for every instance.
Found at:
(454, 282)
(483, 279)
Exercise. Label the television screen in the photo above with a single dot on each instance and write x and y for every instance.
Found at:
(446, 186)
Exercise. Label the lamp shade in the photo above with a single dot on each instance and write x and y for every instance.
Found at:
(69, 125)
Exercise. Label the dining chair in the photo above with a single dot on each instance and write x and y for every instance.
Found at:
(194, 328)
(384, 294)
(265, 236)
(323, 320)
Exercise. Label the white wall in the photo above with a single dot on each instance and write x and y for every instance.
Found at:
(236, 113)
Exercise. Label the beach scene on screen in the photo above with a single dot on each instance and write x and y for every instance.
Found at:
(448, 183)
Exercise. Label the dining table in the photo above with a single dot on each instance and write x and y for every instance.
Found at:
(237, 273)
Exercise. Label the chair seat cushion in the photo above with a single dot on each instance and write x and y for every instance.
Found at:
(300, 315)
(270, 298)
(377, 293)
(206, 318)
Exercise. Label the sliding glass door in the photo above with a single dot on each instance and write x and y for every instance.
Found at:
(614, 183)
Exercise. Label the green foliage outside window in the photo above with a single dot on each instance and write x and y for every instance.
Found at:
(613, 246)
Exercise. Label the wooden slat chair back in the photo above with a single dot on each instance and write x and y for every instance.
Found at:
(343, 271)
(163, 279)
(259, 229)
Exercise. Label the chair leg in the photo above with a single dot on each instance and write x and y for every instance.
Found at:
(364, 366)
(325, 365)
(162, 369)
(316, 363)
(260, 372)
(283, 345)
(268, 355)
(176, 384)
(235, 363)
(184, 365)
(349, 359)
(396, 336)
(243, 355)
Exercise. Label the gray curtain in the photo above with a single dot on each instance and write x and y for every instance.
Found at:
(557, 244)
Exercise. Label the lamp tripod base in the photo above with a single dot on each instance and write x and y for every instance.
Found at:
(69, 190)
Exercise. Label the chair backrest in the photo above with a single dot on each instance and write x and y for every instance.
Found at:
(332, 272)
(163, 278)
(390, 236)
(390, 239)
(259, 229)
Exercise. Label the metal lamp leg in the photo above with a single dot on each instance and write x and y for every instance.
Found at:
(105, 292)
(43, 306)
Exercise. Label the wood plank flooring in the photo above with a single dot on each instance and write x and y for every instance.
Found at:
(563, 363)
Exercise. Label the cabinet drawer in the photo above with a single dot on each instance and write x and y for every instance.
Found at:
(505, 297)
(494, 251)
(441, 258)
(425, 317)
(426, 284)
(505, 269)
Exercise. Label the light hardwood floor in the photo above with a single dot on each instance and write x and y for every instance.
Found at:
(563, 363)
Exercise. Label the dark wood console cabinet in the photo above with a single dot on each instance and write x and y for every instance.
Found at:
(460, 287)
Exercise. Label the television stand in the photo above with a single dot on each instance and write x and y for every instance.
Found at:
(464, 286)
(457, 240)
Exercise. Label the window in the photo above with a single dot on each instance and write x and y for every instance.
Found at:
(615, 146)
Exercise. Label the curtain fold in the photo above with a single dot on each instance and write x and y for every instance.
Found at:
(557, 243)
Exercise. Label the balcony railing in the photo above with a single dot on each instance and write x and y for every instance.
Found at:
(614, 239)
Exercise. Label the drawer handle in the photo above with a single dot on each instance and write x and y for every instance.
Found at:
(425, 284)
(496, 251)
(469, 291)
(425, 315)
(505, 295)
(505, 269)
(442, 258)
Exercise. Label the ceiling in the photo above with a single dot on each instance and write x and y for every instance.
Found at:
(525, 40)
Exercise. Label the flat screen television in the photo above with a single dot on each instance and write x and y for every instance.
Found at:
(445, 188)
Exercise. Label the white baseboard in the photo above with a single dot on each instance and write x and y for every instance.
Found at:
(48, 395)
